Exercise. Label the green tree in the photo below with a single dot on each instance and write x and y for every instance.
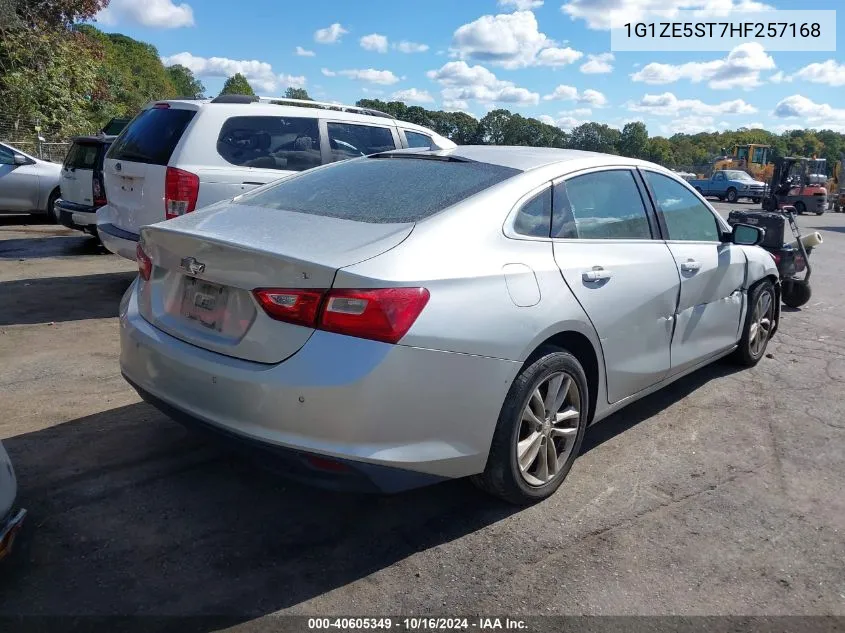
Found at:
(634, 140)
(297, 93)
(237, 85)
(184, 82)
(660, 151)
(595, 137)
(492, 129)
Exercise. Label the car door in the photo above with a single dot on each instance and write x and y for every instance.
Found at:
(712, 273)
(607, 246)
(18, 183)
(718, 184)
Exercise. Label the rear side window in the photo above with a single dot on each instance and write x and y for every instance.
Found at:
(270, 142)
(349, 140)
(415, 139)
(380, 190)
(534, 217)
(82, 156)
(603, 205)
(152, 136)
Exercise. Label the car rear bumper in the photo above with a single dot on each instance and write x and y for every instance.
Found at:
(76, 216)
(399, 416)
(117, 240)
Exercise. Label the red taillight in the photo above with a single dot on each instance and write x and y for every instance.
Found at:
(776, 257)
(383, 314)
(323, 463)
(162, 106)
(98, 192)
(292, 306)
(181, 189)
(145, 264)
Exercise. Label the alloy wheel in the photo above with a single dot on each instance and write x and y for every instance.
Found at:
(548, 428)
(761, 323)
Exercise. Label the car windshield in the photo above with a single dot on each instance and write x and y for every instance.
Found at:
(381, 190)
(737, 175)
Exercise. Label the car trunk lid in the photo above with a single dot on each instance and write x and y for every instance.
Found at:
(207, 264)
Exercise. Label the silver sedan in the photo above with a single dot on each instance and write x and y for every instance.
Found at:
(414, 316)
(27, 184)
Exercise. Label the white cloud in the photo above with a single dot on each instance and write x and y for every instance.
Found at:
(779, 78)
(693, 125)
(831, 73)
(302, 52)
(260, 75)
(667, 104)
(569, 119)
(162, 14)
(521, 5)
(740, 69)
(412, 95)
(545, 118)
(810, 113)
(330, 34)
(570, 93)
(510, 40)
(463, 83)
(374, 42)
(410, 47)
(597, 13)
(598, 64)
(456, 106)
(371, 75)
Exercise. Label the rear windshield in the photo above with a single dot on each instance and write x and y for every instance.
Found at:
(152, 136)
(380, 190)
(82, 156)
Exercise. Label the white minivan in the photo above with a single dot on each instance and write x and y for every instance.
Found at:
(180, 155)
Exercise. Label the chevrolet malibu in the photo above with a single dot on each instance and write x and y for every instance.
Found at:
(410, 317)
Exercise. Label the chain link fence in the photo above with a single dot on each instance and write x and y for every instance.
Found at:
(27, 137)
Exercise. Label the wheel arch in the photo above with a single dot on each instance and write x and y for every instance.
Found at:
(580, 346)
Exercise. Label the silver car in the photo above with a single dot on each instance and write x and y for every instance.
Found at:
(27, 184)
(414, 316)
(11, 519)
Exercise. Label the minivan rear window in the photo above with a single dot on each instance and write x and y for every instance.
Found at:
(82, 156)
(152, 136)
(380, 190)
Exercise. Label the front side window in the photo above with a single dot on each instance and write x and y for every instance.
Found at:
(719, 176)
(415, 139)
(686, 217)
(349, 140)
(603, 205)
(270, 142)
(535, 216)
(7, 156)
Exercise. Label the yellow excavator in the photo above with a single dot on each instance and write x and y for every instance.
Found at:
(753, 159)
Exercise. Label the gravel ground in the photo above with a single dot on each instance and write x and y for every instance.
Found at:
(723, 494)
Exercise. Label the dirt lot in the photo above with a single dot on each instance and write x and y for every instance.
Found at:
(721, 495)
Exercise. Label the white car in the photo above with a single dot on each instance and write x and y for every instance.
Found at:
(180, 155)
(11, 518)
(27, 184)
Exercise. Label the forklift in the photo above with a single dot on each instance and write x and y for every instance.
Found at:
(800, 183)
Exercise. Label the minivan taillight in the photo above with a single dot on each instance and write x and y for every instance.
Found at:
(181, 189)
(98, 191)
(380, 314)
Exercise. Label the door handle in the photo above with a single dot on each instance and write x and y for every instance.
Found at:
(690, 266)
(596, 274)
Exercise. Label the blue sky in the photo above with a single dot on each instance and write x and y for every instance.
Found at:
(549, 59)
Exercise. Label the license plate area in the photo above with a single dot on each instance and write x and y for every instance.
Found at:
(204, 303)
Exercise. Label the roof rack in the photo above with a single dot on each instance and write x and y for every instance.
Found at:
(235, 99)
(324, 105)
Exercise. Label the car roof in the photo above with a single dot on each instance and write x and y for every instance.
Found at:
(521, 157)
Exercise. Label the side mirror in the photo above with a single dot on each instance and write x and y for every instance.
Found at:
(747, 235)
(20, 159)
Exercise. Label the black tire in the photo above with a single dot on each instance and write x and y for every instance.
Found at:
(747, 353)
(796, 292)
(732, 195)
(755, 200)
(502, 476)
(51, 203)
(800, 208)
